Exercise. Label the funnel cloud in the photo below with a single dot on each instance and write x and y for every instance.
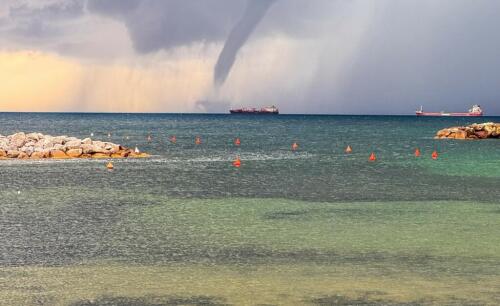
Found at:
(255, 11)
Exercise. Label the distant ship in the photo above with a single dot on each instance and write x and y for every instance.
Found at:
(270, 110)
(475, 111)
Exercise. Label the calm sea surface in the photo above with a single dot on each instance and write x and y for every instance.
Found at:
(311, 227)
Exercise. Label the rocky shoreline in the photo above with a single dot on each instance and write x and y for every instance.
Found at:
(473, 131)
(40, 146)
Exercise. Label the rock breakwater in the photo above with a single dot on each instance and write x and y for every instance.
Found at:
(39, 146)
(473, 131)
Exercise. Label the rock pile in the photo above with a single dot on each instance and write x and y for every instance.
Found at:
(473, 131)
(37, 146)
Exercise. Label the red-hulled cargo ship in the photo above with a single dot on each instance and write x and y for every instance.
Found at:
(271, 110)
(475, 111)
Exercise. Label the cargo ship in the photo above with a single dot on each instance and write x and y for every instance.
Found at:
(475, 111)
(270, 110)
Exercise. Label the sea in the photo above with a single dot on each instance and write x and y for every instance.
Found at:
(314, 226)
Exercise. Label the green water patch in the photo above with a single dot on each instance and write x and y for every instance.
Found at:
(228, 284)
(458, 158)
(430, 236)
(151, 301)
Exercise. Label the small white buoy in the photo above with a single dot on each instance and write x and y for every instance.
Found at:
(92, 134)
(137, 150)
(109, 135)
(19, 192)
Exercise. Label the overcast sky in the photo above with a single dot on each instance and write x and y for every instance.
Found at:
(321, 56)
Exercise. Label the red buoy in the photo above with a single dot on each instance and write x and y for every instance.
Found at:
(237, 162)
(348, 149)
(295, 146)
(237, 142)
(110, 166)
(197, 140)
(173, 139)
(372, 157)
(417, 152)
(434, 155)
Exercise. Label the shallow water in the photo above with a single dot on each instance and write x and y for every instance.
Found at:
(316, 226)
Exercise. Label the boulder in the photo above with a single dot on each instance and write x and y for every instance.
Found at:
(481, 134)
(87, 141)
(36, 146)
(18, 140)
(27, 150)
(59, 147)
(58, 154)
(91, 149)
(473, 131)
(23, 155)
(73, 144)
(74, 153)
(34, 136)
(13, 153)
(38, 155)
(460, 134)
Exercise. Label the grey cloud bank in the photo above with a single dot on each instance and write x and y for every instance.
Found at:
(385, 56)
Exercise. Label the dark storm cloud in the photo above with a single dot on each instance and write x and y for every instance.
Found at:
(443, 55)
(28, 20)
(155, 25)
(390, 58)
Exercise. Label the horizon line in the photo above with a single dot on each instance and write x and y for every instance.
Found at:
(208, 113)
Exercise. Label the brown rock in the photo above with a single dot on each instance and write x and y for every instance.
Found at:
(23, 155)
(138, 155)
(100, 155)
(58, 154)
(38, 155)
(481, 134)
(13, 153)
(461, 134)
(443, 133)
(490, 129)
(124, 152)
(3, 153)
(74, 153)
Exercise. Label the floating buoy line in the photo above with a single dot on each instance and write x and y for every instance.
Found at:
(237, 163)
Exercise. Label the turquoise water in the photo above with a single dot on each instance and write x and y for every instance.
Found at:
(332, 221)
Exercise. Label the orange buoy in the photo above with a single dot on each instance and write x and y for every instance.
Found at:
(237, 162)
(197, 140)
(237, 142)
(110, 166)
(173, 139)
(434, 155)
(295, 146)
(348, 149)
(417, 152)
(372, 157)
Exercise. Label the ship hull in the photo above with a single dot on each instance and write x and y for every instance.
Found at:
(426, 114)
(249, 112)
